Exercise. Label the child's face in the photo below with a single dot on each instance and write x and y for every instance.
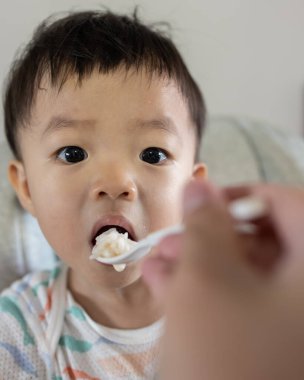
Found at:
(133, 150)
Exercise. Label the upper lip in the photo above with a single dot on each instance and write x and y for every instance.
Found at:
(113, 220)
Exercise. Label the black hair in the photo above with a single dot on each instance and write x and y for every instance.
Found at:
(81, 42)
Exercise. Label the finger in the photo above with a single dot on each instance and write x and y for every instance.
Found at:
(169, 248)
(213, 250)
(156, 273)
(196, 192)
(263, 249)
(232, 193)
(159, 267)
(285, 217)
(285, 210)
(286, 213)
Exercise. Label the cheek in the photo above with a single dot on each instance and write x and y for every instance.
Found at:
(51, 199)
(166, 201)
(57, 222)
(57, 211)
(58, 191)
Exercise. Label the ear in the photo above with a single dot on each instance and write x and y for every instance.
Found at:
(200, 171)
(18, 180)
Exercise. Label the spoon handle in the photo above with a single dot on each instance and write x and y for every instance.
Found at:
(243, 210)
(155, 237)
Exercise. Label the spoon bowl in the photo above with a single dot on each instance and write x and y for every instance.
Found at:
(142, 247)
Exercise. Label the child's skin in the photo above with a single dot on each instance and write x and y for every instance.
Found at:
(112, 119)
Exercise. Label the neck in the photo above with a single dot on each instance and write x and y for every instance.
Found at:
(128, 307)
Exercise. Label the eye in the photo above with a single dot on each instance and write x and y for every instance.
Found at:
(72, 154)
(153, 155)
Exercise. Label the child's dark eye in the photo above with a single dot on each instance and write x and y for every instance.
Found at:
(72, 154)
(153, 155)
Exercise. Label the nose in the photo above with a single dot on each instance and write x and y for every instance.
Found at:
(115, 184)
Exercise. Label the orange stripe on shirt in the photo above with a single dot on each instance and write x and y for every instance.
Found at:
(48, 304)
(123, 364)
(77, 374)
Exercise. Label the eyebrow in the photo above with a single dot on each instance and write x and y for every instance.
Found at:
(164, 123)
(60, 122)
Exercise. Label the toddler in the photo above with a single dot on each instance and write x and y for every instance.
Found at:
(104, 120)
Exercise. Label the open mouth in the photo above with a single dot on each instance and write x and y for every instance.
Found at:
(118, 228)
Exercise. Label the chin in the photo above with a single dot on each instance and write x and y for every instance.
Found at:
(110, 278)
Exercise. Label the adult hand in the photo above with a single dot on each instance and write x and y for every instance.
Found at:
(231, 313)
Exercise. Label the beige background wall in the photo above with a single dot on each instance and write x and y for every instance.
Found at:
(247, 55)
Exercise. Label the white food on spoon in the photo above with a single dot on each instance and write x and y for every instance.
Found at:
(111, 243)
(119, 267)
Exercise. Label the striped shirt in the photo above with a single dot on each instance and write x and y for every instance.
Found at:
(45, 334)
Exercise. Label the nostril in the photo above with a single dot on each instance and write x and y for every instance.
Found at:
(114, 189)
(125, 194)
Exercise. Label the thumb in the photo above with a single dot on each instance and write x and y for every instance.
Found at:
(159, 267)
(212, 249)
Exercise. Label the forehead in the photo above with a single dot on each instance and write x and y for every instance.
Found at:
(138, 86)
(119, 96)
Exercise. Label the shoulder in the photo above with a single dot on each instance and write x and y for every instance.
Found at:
(33, 286)
(29, 296)
(22, 330)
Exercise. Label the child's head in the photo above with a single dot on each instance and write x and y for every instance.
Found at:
(80, 43)
(105, 122)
